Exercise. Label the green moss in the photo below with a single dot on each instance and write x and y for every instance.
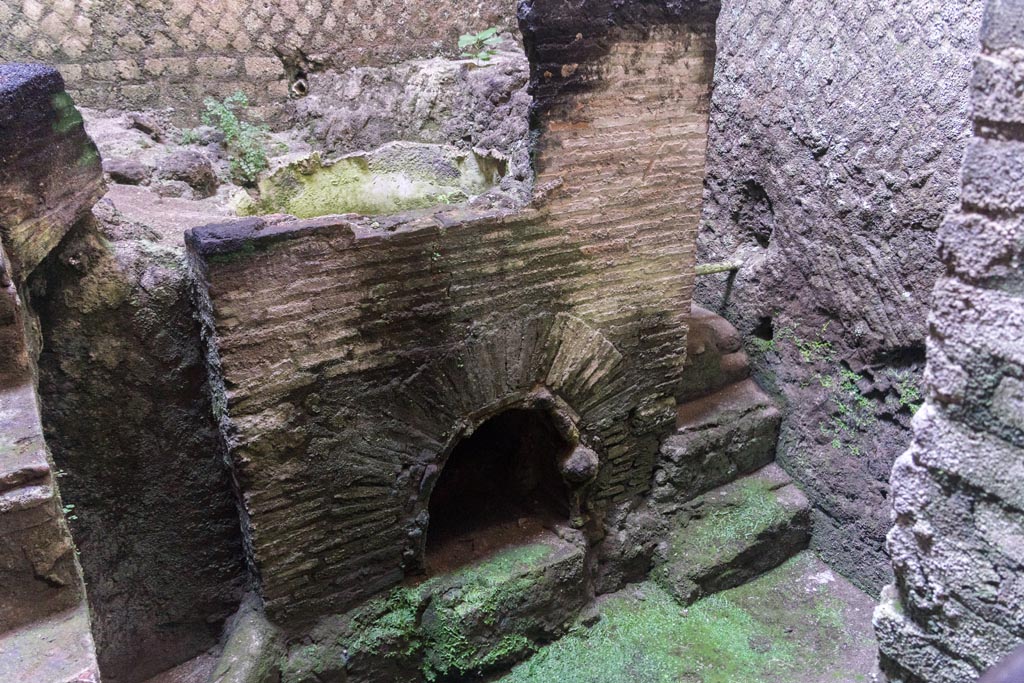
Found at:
(653, 642)
(68, 116)
(828, 613)
(394, 631)
(779, 628)
(396, 178)
(480, 594)
(754, 509)
(244, 251)
(445, 626)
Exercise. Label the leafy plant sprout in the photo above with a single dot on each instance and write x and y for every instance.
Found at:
(479, 45)
(245, 142)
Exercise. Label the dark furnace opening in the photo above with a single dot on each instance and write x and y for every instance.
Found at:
(500, 487)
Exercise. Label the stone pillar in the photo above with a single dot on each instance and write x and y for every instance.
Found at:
(49, 178)
(957, 543)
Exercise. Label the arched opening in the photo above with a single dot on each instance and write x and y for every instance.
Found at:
(500, 487)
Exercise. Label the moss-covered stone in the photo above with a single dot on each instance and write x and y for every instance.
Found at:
(396, 177)
(797, 624)
(478, 618)
(734, 533)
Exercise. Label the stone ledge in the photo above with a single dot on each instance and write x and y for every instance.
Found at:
(58, 649)
(733, 534)
(719, 437)
(50, 173)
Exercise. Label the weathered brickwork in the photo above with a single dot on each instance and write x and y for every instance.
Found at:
(836, 132)
(355, 356)
(159, 53)
(957, 604)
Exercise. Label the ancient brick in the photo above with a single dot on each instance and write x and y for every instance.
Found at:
(438, 322)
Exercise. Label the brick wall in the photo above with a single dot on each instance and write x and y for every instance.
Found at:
(172, 53)
(354, 357)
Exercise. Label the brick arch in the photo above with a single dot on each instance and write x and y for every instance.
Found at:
(555, 363)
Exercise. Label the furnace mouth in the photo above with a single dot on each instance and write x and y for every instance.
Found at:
(501, 486)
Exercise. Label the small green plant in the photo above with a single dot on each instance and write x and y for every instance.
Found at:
(480, 45)
(763, 346)
(189, 136)
(69, 510)
(852, 412)
(811, 351)
(908, 390)
(245, 142)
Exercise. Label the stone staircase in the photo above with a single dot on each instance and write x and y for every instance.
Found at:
(733, 534)
(44, 621)
(732, 513)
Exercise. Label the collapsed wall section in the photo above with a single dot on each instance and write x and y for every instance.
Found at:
(353, 356)
(958, 505)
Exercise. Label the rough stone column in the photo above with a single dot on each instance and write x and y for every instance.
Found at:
(958, 493)
(49, 177)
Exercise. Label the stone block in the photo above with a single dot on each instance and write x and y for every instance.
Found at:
(993, 176)
(57, 649)
(983, 250)
(996, 87)
(50, 173)
(714, 355)
(1003, 26)
(719, 438)
(485, 616)
(734, 533)
(906, 649)
(39, 575)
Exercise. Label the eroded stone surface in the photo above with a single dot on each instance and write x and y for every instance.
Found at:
(800, 623)
(55, 649)
(122, 387)
(487, 615)
(957, 604)
(198, 50)
(44, 621)
(479, 107)
(718, 438)
(49, 168)
(837, 131)
(37, 559)
(732, 534)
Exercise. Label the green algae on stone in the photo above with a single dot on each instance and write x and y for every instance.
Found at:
(474, 619)
(754, 510)
(653, 641)
(702, 547)
(788, 626)
(395, 177)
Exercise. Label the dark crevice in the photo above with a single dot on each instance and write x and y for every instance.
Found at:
(499, 487)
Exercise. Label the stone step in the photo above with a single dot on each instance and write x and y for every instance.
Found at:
(798, 623)
(57, 649)
(714, 355)
(455, 626)
(732, 534)
(719, 437)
